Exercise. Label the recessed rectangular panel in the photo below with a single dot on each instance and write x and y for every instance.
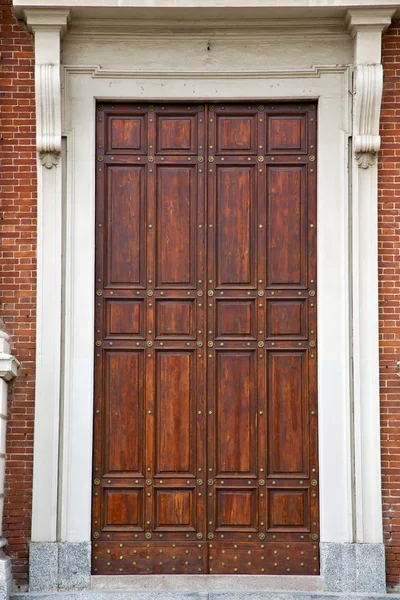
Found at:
(288, 510)
(175, 396)
(123, 509)
(125, 214)
(124, 318)
(235, 402)
(236, 232)
(176, 134)
(287, 134)
(124, 411)
(176, 222)
(236, 509)
(175, 318)
(235, 319)
(127, 134)
(236, 134)
(174, 509)
(286, 318)
(286, 216)
(286, 402)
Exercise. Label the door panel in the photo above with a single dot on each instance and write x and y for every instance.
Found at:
(235, 408)
(175, 395)
(205, 421)
(287, 412)
(176, 203)
(235, 226)
(123, 420)
(125, 225)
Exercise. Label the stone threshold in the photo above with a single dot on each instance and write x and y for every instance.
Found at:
(207, 583)
(203, 595)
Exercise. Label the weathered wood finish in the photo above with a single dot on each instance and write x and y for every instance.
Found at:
(205, 423)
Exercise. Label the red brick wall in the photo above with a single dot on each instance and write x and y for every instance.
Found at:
(389, 299)
(18, 268)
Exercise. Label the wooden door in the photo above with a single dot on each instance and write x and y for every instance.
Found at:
(205, 423)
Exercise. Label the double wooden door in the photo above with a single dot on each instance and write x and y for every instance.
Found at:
(205, 420)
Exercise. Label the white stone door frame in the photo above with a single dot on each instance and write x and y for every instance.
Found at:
(348, 377)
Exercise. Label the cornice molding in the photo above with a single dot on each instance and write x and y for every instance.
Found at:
(369, 19)
(39, 19)
(96, 72)
(257, 29)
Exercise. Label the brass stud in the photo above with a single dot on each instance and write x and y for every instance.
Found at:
(311, 158)
(96, 535)
(210, 293)
(260, 159)
(210, 159)
(312, 344)
(311, 293)
(147, 535)
(260, 344)
(96, 482)
(149, 292)
(150, 108)
(99, 292)
(199, 536)
(314, 482)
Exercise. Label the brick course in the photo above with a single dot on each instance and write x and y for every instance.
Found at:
(18, 269)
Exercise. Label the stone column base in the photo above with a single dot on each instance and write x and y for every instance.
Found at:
(5, 576)
(59, 566)
(353, 567)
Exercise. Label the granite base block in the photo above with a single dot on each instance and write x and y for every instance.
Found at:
(353, 568)
(370, 568)
(43, 566)
(74, 563)
(59, 566)
(5, 576)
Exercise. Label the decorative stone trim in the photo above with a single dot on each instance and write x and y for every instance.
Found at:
(9, 368)
(367, 108)
(9, 365)
(366, 26)
(47, 81)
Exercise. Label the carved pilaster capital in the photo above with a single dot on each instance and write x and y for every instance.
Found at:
(368, 83)
(48, 99)
(48, 26)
